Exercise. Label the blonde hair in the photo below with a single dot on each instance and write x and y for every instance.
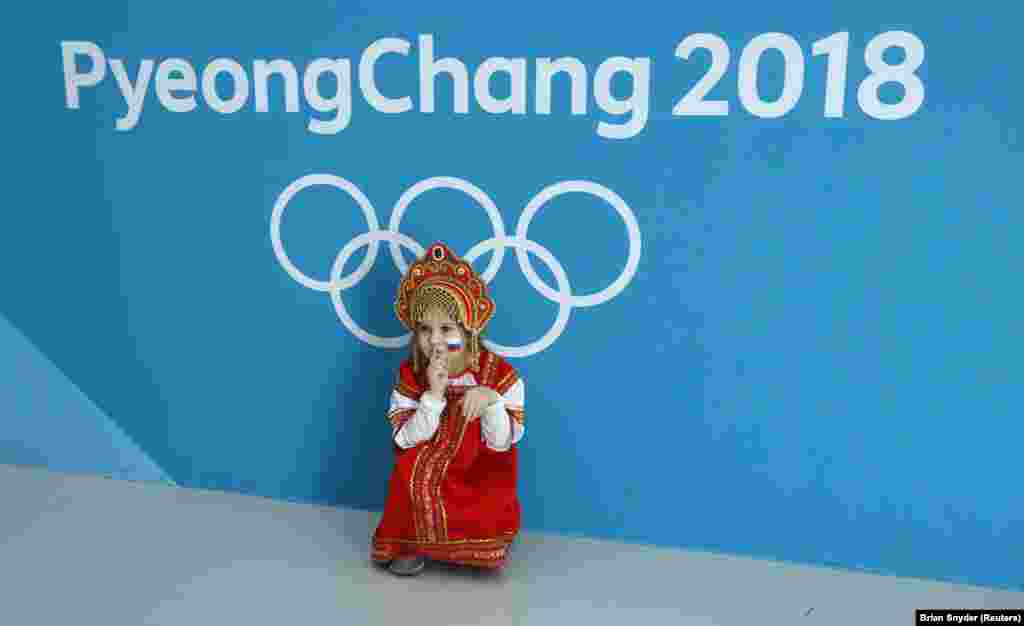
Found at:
(429, 300)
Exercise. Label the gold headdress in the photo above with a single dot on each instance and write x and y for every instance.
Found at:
(442, 280)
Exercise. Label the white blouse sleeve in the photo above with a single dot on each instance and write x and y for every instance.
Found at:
(423, 422)
(502, 423)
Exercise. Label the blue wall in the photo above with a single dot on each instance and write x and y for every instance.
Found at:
(48, 422)
(815, 360)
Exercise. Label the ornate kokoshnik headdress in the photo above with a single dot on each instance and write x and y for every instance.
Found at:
(442, 280)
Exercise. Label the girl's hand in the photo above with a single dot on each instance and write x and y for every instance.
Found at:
(477, 399)
(437, 372)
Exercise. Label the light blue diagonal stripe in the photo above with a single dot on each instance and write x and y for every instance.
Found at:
(48, 421)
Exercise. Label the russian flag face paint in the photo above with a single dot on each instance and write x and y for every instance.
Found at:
(454, 345)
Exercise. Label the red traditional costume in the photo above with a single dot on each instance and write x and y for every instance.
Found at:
(452, 497)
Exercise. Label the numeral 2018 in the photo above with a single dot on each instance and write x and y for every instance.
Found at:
(834, 47)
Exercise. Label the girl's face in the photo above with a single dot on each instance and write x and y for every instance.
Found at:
(436, 330)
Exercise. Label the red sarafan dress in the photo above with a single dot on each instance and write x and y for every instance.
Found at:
(453, 498)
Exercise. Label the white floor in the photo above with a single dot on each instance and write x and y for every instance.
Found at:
(89, 550)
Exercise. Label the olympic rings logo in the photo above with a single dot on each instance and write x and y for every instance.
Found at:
(563, 296)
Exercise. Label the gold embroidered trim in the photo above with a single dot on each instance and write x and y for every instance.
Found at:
(480, 552)
(428, 480)
(483, 558)
(518, 415)
(407, 390)
(417, 525)
(428, 475)
(399, 417)
(453, 451)
(504, 538)
(422, 504)
(488, 369)
(506, 382)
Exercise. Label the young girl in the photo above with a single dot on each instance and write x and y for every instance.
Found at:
(456, 416)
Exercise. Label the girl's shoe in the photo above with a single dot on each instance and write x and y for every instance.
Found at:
(407, 566)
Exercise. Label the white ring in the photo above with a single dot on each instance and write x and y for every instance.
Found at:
(564, 302)
(449, 182)
(275, 227)
(563, 297)
(609, 196)
(335, 286)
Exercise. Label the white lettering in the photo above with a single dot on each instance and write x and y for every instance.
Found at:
(240, 87)
(134, 95)
(429, 69)
(165, 84)
(637, 103)
(72, 78)
(340, 104)
(263, 71)
(224, 85)
(368, 82)
(546, 70)
(516, 100)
